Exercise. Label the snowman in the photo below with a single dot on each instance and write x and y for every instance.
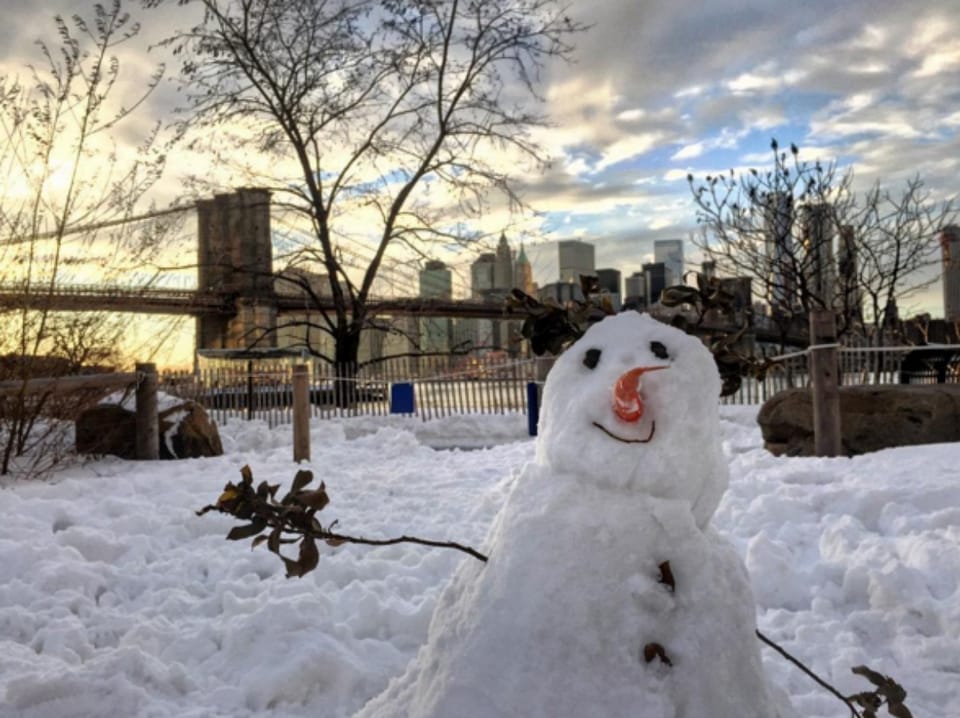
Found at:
(607, 593)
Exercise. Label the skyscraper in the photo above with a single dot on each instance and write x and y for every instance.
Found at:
(503, 266)
(523, 273)
(482, 286)
(635, 291)
(609, 282)
(669, 252)
(655, 278)
(849, 291)
(482, 275)
(950, 246)
(778, 228)
(436, 282)
(576, 258)
(817, 220)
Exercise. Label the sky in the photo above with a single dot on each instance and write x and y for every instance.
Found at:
(658, 90)
(661, 90)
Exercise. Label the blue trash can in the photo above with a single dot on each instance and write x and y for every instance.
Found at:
(401, 398)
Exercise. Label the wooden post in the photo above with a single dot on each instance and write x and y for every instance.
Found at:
(301, 413)
(825, 385)
(147, 446)
(250, 390)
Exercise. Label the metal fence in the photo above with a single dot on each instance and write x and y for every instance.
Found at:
(442, 387)
(930, 364)
(264, 390)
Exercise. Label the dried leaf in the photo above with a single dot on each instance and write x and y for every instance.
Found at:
(293, 567)
(867, 700)
(229, 494)
(252, 529)
(898, 710)
(335, 542)
(265, 490)
(307, 560)
(302, 478)
(273, 541)
(257, 541)
(246, 473)
(875, 678)
(309, 555)
(313, 499)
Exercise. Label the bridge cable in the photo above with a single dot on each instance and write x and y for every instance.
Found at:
(98, 225)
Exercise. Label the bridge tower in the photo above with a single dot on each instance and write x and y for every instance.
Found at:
(235, 260)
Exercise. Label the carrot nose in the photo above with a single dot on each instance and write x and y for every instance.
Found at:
(627, 402)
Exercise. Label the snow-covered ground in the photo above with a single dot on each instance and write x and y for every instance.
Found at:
(116, 599)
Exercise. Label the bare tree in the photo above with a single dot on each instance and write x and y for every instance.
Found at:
(387, 114)
(810, 241)
(59, 169)
(894, 235)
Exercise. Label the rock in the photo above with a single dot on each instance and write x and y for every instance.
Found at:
(871, 418)
(186, 432)
(107, 429)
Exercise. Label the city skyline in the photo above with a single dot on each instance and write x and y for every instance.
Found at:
(657, 91)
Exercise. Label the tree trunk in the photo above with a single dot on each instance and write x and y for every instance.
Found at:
(346, 358)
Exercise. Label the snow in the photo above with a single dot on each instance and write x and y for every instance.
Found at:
(116, 599)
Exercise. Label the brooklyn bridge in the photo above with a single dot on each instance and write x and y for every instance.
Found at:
(236, 295)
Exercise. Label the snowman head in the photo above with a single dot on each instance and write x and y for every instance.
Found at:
(633, 406)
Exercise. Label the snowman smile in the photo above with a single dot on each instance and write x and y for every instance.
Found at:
(605, 430)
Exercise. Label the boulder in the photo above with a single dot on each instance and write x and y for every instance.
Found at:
(186, 432)
(871, 418)
(107, 429)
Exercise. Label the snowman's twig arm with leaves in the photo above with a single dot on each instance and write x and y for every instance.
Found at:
(273, 520)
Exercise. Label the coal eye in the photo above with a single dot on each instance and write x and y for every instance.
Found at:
(659, 351)
(591, 358)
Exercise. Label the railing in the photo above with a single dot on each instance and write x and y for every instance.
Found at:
(441, 387)
(930, 364)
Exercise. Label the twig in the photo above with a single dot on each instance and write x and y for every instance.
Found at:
(810, 673)
(404, 539)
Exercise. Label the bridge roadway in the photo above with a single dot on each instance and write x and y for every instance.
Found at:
(87, 298)
(189, 302)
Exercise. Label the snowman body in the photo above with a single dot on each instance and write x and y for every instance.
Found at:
(606, 592)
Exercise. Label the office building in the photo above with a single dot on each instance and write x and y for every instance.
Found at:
(523, 273)
(849, 291)
(669, 253)
(503, 266)
(576, 258)
(436, 282)
(561, 292)
(655, 277)
(635, 291)
(482, 286)
(778, 229)
(950, 248)
(609, 283)
(817, 224)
